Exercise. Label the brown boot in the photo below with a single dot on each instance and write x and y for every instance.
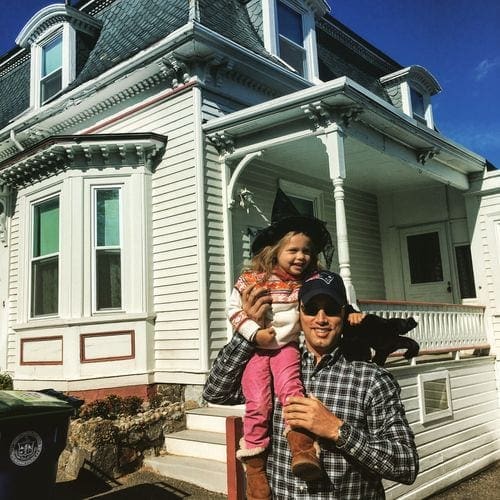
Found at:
(305, 455)
(254, 463)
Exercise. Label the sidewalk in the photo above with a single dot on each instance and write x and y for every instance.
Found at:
(146, 485)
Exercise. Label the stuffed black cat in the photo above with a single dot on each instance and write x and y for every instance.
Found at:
(382, 335)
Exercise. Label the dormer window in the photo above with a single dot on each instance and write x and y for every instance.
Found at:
(289, 33)
(53, 36)
(51, 68)
(291, 38)
(411, 89)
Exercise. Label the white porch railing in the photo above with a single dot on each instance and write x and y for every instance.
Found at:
(441, 327)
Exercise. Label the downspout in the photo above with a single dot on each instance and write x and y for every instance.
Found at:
(202, 232)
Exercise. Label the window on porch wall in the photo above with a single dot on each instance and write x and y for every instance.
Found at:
(107, 249)
(45, 259)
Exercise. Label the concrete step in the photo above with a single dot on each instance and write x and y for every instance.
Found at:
(212, 419)
(205, 473)
(197, 443)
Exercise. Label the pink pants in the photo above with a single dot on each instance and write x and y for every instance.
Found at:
(268, 369)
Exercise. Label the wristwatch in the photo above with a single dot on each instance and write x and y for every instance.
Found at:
(343, 434)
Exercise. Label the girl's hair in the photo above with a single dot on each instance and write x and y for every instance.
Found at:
(265, 261)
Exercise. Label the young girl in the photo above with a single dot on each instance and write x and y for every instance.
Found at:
(285, 253)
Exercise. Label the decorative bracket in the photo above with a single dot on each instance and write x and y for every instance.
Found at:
(424, 155)
(4, 203)
(223, 142)
(175, 70)
(323, 115)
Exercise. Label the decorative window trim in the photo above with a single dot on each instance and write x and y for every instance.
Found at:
(419, 79)
(68, 62)
(42, 27)
(423, 396)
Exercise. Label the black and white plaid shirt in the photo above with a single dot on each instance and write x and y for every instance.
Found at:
(379, 443)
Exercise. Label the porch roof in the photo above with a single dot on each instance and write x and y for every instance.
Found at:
(377, 135)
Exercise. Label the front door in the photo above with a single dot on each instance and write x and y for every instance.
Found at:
(426, 265)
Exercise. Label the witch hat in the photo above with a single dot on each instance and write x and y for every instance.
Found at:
(285, 218)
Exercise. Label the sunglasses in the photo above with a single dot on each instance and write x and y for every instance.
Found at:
(312, 309)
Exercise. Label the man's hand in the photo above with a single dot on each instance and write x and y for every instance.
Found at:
(311, 414)
(265, 337)
(355, 318)
(256, 302)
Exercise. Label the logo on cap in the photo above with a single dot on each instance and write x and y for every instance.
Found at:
(25, 448)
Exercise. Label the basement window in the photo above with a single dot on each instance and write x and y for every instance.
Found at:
(434, 393)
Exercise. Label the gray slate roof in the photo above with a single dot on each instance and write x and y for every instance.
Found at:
(130, 26)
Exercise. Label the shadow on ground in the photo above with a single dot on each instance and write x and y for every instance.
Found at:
(143, 485)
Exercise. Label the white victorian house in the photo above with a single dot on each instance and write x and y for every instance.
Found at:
(141, 145)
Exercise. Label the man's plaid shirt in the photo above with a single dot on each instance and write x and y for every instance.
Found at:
(379, 444)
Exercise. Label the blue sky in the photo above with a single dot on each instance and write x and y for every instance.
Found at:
(458, 41)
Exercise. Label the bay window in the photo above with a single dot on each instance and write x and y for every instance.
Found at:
(107, 249)
(45, 258)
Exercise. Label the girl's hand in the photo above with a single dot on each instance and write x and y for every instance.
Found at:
(256, 302)
(355, 318)
(265, 337)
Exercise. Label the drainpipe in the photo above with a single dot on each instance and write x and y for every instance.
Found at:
(333, 139)
(13, 138)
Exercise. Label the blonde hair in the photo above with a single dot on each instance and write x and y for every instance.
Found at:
(265, 260)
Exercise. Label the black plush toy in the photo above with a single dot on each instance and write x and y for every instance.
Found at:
(382, 335)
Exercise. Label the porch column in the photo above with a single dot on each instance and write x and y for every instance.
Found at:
(333, 139)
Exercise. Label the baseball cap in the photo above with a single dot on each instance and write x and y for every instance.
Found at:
(323, 283)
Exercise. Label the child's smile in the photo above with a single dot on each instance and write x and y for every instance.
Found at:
(295, 255)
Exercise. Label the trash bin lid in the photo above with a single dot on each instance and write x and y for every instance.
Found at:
(30, 403)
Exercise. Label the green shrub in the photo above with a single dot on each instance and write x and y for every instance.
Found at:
(6, 383)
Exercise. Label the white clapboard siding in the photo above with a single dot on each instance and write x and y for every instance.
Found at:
(13, 288)
(467, 441)
(175, 253)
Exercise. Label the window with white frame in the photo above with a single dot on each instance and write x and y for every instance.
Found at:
(434, 393)
(290, 34)
(107, 249)
(51, 67)
(45, 258)
(291, 37)
(52, 64)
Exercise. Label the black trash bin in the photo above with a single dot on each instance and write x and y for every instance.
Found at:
(33, 432)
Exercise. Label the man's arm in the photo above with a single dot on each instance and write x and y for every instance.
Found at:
(387, 447)
(223, 385)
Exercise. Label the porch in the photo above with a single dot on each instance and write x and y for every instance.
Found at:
(456, 330)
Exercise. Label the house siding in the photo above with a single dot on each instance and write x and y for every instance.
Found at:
(174, 237)
(453, 447)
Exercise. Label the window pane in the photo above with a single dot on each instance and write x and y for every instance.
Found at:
(51, 85)
(46, 228)
(108, 217)
(424, 257)
(290, 24)
(45, 286)
(417, 102)
(465, 274)
(305, 207)
(52, 56)
(293, 55)
(108, 279)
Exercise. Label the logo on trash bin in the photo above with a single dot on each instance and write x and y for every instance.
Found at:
(25, 448)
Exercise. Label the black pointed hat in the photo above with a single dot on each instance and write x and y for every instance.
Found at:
(285, 218)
